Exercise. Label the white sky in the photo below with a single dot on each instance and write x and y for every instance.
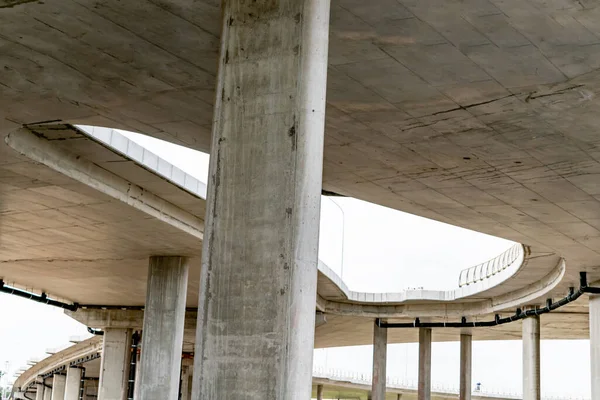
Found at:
(383, 250)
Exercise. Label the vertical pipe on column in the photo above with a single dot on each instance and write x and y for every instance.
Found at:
(164, 317)
(594, 305)
(531, 358)
(378, 384)
(135, 338)
(82, 385)
(319, 392)
(466, 343)
(424, 389)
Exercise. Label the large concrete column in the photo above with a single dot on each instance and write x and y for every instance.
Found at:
(531, 358)
(378, 384)
(114, 369)
(58, 387)
(39, 391)
(256, 315)
(47, 392)
(162, 338)
(595, 344)
(186, 382)
(319, 392)
(73, 383)
(424, 389)
(466, 343)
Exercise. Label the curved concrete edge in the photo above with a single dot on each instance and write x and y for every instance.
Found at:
(443, 309)
(72, 353)
(128, 148)
(427, 295)
(25, 142)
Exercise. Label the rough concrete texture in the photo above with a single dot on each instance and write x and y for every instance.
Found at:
(531, 359)
(424, 385)
(115, 364)
(73, 383)
(256, 315)
(379, 363)
(466, 348)
(162, 336)
(58, 387)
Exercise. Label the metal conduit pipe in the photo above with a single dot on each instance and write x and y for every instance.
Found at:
(82, 384)
(43, 298)
(135, 339)
(520, 314)
(94, 331)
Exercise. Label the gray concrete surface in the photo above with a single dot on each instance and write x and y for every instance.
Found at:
(116, 344)
(58, 387)
(162, 337)
(73, 383)
(531, 359)
(424, 388)
(256, 314)
(466, 364)
(380, 344)
(595, 344)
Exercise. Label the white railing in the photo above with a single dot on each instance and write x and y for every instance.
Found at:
(360, 378)
(491, 267)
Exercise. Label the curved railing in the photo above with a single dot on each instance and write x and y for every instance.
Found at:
(491, 267)
(412, 385)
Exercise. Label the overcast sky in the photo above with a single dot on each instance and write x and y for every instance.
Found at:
(383, 251)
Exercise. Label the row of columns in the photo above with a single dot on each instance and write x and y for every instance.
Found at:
(531, 361)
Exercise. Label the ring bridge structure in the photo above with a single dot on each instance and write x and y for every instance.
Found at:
(482, 114)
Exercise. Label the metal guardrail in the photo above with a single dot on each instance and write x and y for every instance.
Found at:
(491, 267)
(399, 383)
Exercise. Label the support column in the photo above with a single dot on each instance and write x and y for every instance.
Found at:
(319, 392)
(58, 387)
(378, 384)
(424, 389)
(39, 391)
(531, 358)
(256, 315)
(114, 368)
(47, 392)
(466, 343)
(595, 344)
(186, 377)
(162, 338)
(73, 383)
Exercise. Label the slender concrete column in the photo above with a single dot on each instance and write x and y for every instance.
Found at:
(58, 387)
(595, 344)
(162, 338)
(73, 383)
(47, 393)
(531, 358)
(114, 367)
(424, 389)
(39, 391)
(466, 343)
(136, 387)
(256, 315)
(378, 384)
(319, 392)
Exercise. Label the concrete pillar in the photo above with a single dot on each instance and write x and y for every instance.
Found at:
(378, 384)
(595, 344)
(162, 338)
(531, 358)
(424, 389)
(73, 383)
(114, 367)
(466, 343)
(47, 392)
(319, 392)
(58, 387)
(256, 315)
(39, 391)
